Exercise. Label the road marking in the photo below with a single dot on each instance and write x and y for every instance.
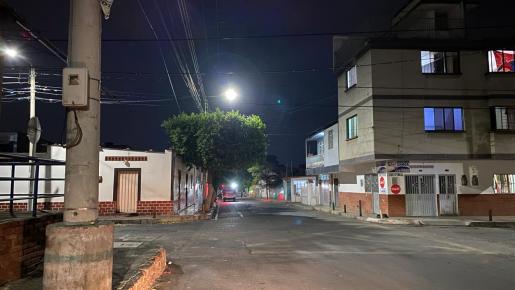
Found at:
(241, 215)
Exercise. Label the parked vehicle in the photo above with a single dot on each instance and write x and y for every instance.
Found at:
(228, 194)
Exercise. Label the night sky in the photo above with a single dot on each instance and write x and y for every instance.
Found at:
(246, 44)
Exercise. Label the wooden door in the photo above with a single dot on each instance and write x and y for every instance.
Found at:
(127, 185)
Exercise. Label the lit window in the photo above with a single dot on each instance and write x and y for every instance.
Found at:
(504, 183)
(352, 127)
(443, 119)
(501, 61)
(330, 139)
(440, 62)
(504, 118)
(352, 77)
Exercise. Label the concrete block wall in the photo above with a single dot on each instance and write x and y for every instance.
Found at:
(22, 245)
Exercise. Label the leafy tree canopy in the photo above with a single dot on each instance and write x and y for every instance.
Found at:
(218, 141)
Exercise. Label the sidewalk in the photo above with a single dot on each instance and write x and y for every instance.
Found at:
(135, 266)
(469, 221)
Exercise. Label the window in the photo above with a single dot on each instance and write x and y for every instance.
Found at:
(504, 183)
(441, 21)
(504, 118)
(330, 139)
(501, 61)
(352, 127)
(321, 146)
(311, 148)
(352, 77)
(440, 62)
(443, 119)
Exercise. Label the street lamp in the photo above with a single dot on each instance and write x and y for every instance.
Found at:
(234, 185)
(230, 94)
(11, 52)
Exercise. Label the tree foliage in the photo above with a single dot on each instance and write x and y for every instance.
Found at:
(218, 141)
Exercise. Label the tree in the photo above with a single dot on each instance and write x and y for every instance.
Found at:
(218, 141)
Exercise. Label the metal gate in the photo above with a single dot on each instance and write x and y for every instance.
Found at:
(420, 195)
(448, 199)
(375, 203)
(127, 190)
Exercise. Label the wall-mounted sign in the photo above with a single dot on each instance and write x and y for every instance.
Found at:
(383, 184)
(126, 158)
(324, 177)
(393, 166)
(396, 189)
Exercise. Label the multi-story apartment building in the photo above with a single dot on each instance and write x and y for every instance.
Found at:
(427, 115)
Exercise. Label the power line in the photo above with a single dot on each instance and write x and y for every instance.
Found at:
(105, 74)
(297, 35)
(161, 53)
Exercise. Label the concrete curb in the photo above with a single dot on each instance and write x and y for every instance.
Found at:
(391, 221)
(492, 224)
(159, 220)
(147, 274)
(413, 222)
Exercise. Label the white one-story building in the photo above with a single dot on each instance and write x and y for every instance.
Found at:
(130, 182)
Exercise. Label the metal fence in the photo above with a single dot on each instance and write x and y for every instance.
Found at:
(15, 161)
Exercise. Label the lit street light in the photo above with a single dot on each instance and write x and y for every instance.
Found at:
(234, 185)
(231, 94)
(11, 52)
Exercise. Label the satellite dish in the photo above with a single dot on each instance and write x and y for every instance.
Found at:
(34, 130)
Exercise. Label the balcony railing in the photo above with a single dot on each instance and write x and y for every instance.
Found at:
(314, 161)
(14, 161)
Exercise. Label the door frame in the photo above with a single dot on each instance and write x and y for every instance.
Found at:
(115, 183)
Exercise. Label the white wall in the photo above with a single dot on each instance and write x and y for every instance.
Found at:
(155, 173)
(364, 144)
(331, 155)
(156, 176)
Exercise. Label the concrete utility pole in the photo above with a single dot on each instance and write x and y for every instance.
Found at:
(79, 251)
(32, 146)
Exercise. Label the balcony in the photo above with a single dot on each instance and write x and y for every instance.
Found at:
(314, 161)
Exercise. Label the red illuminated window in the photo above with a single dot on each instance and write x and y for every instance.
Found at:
(501, 61)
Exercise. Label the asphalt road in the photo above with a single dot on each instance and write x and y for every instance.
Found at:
(257, 245)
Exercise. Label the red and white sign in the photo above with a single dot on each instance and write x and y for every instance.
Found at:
(396, 189)
(381, 182)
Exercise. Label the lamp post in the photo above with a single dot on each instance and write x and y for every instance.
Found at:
(34, 129)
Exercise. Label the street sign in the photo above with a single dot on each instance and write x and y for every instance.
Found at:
(381, 182)
(396, 189)
(34, 130)
(106, 7)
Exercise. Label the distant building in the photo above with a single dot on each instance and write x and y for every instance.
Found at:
(131, 182)
(322, 161)
(427, 115)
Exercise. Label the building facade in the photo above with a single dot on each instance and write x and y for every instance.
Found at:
(427, 116)
(322, 161)
(130, 182)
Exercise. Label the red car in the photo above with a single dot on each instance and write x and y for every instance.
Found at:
(228, 194)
